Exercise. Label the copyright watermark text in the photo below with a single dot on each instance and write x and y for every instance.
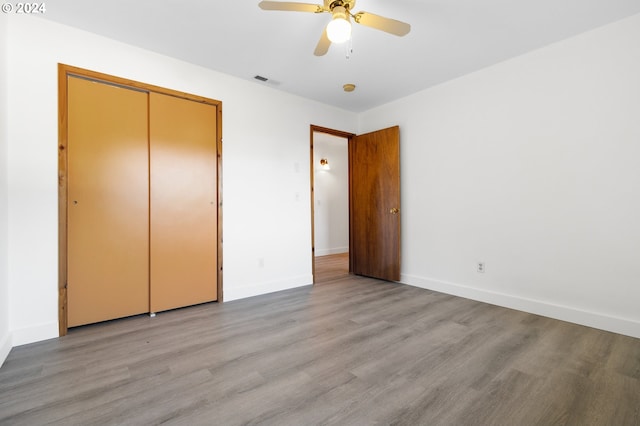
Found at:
(23, 8)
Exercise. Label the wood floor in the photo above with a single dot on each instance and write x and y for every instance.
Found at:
(331, 267)
(354, 351)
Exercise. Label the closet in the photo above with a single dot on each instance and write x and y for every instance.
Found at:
(140, 171)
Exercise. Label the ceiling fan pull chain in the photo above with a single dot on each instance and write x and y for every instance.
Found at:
(349, 47)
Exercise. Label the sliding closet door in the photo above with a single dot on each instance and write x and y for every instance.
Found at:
(108, 195)
(183, 202)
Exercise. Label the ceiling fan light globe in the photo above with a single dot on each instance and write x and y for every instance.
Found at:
(339, 30)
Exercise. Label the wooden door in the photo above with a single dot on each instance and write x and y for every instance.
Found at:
(183, 158)
(374, 207)
(107, 202)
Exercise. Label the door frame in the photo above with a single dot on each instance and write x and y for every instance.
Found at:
(348, 136)
(64, 71)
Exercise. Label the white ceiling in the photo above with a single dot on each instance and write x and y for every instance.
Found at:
(448, 38)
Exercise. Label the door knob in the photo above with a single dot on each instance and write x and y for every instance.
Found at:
(394, 210)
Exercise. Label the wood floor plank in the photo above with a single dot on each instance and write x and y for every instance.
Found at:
(352, 351)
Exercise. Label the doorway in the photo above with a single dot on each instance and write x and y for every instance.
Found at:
(330, 204)
(373, 200)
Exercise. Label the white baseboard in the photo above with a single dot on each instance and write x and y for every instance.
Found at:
(5, 347)
(24, 336)
(235, 293)
(336, 250)
(565, 313)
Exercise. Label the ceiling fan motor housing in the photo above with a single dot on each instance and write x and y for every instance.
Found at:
(347, 4)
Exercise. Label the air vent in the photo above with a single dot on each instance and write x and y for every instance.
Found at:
(261, 78)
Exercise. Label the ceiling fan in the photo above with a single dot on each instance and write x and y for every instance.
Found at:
(339, 29)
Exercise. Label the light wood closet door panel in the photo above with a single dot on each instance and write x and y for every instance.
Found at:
(108, 196)
(183, 202)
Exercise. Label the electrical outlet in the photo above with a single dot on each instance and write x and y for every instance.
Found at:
(261, 262)
(480, 267)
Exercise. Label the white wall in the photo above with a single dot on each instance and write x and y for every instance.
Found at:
(331, 192)
(5, 336)
(266, 192)
(531, 166)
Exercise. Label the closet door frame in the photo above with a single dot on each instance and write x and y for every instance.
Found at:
(64, 72)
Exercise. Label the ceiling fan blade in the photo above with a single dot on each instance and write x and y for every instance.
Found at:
(388, 25)
(290, 6)
(323, 44)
